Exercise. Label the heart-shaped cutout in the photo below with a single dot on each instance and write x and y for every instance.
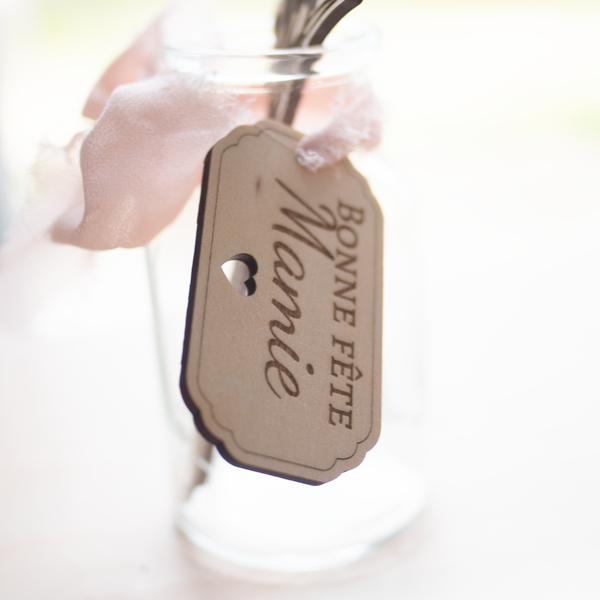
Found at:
(240, 271)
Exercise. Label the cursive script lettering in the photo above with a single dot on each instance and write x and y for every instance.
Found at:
(303, 221)
(288, 266)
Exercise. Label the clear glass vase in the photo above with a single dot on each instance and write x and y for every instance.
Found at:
(253, 519)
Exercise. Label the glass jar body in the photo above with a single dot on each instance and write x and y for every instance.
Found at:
(258, 520)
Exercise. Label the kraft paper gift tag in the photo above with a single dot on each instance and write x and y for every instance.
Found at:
(285, 378)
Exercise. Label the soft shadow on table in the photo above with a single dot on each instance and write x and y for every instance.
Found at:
(388, 559)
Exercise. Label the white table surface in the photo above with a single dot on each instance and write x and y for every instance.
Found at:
(497, 132)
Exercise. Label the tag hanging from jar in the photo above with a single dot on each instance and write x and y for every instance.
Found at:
(285, 378)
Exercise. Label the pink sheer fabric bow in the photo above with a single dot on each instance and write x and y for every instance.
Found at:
(144, 156)
(125, 179)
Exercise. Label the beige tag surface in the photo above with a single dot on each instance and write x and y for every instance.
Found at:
(287, 379)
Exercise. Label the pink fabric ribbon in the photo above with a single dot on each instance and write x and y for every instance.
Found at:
(143, 158)
(121, 182)
(141, 161)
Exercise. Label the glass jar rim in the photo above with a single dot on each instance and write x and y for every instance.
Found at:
(350, 34)
(238, 54)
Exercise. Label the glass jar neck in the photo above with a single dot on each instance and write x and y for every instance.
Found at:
(236, 57)
(239, 55)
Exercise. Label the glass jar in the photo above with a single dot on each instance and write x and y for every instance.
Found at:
(253, 519)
